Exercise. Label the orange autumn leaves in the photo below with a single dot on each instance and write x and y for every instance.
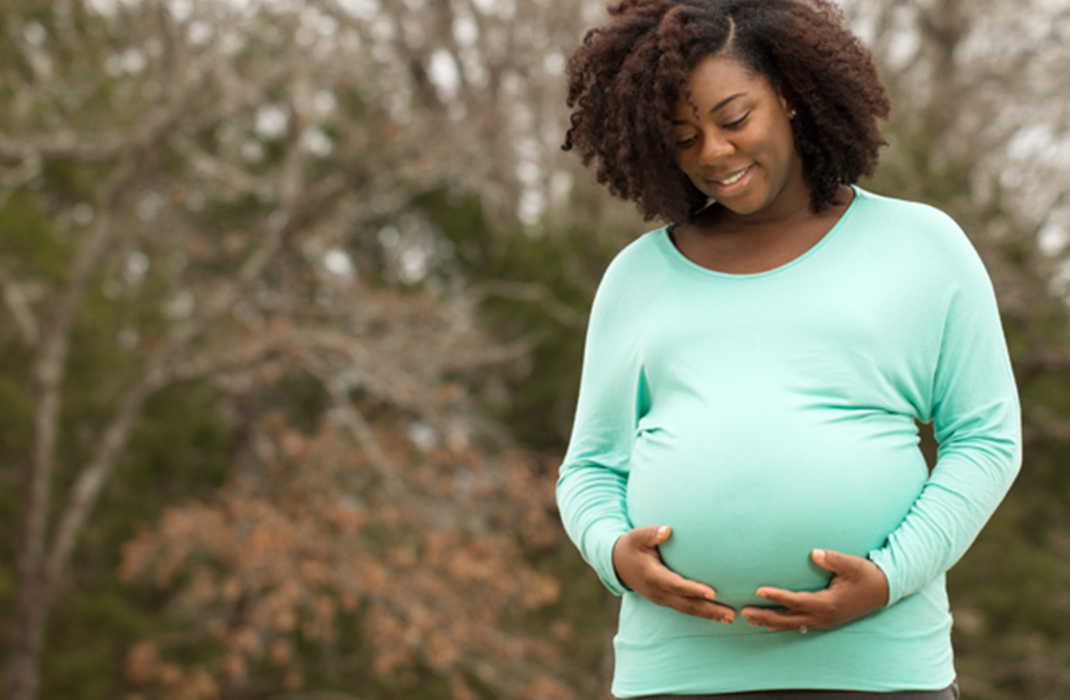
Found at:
(309, 545)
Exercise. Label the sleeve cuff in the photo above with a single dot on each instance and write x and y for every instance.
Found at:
(884, 560)
(602, 561)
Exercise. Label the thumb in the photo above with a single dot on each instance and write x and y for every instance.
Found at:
(835, 562)
(653, 535)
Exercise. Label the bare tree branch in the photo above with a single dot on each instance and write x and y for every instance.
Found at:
(533, 292)
(361, 431)
(222, 171)
(91, 480)
(17, 178)
(19, 307)
(68, 143)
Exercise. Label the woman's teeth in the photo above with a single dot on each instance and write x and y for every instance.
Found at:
(733, 179)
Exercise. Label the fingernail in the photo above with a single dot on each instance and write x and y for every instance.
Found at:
(819, 553)
(662, 531)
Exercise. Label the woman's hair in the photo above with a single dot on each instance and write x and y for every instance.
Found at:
(627, 77)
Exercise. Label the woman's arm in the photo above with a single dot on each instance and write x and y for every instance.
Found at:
(592, 488)
(977, 424)
(976, 418)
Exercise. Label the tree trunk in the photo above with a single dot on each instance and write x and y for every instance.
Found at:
(36, 584)
(35, 590)
(27, 638)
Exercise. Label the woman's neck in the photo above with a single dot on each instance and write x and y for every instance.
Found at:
(725, 242)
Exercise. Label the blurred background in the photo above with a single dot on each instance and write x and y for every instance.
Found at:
(293, 303)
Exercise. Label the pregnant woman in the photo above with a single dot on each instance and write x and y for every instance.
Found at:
(744, 466)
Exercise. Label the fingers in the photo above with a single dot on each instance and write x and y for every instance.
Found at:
(637, 557)
(653, 535)
(701, 608)
(799, 610)
(787, 599)
(862, 582)
(639, 566)
(836, 562)
(684, 595)
(664, 586)
(779, 620)
(858, 588)
(677, 596)
(668, 580)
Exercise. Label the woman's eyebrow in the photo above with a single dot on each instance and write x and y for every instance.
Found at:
(716, 107)
(726, 100)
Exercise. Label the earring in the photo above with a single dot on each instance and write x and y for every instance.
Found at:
(791, 114)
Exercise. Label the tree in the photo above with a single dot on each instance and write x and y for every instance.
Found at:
(215, 182)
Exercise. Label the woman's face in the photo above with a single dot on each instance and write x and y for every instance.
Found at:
(738, 148)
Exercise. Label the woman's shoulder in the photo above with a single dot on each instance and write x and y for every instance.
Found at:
(907, 214)
(907, 222)
(926, 235)
(635, 272)
(639, 258)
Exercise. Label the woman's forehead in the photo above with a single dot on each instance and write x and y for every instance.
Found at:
(717, 78)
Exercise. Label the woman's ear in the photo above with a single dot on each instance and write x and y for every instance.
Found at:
(786, 106)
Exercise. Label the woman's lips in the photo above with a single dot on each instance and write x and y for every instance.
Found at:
(733, 183)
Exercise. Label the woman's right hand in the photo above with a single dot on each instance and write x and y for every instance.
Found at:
(640, 568)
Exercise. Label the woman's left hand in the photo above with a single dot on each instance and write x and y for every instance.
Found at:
(858, 588)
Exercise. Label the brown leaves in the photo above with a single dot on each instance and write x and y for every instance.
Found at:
(144, 666)
(437, 575)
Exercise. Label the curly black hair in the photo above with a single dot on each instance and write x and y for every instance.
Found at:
(626, 77)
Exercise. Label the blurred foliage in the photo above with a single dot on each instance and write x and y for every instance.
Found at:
(536, 282)
(181, 450)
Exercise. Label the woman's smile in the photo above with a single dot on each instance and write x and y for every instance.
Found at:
(729, 185)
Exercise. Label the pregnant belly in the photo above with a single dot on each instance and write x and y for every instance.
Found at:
(747, 513)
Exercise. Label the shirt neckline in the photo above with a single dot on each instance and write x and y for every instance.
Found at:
(665, 240)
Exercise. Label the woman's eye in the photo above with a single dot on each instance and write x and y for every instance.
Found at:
(737, 123)
(685, 142)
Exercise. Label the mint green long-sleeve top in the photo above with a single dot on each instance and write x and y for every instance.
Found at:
(764, 415)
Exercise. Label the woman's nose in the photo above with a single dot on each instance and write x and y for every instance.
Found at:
(714, 148)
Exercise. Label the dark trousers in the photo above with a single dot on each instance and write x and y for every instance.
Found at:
(949, 693)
